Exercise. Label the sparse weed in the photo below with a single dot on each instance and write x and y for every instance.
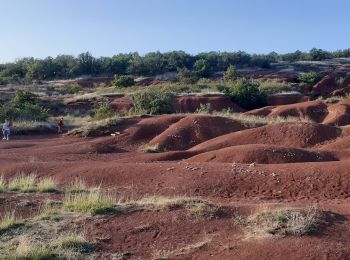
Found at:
(77, 186)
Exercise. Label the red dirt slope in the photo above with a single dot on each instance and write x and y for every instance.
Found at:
(298, 135)
(313, 110)
(261, 153)
(194, 129)
(285, 99)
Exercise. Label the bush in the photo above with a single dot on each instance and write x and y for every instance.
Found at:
(154, 102)
(23, 107)
(186, 76)
(104, 111)
(245, 94)
(309, 77)
(123, 81)
(231, 74)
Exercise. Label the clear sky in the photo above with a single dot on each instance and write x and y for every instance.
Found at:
(41, 28)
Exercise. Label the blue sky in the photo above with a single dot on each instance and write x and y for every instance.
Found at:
(41, 28)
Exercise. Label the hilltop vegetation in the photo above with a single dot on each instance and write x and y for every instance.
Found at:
(192, 67)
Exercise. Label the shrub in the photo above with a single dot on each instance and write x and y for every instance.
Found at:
(231, 74)
(245, 93)
(123, 81)
(309, 77)
(104, 111)
(186, 76)
(154, 102)
(24, 107)
(2, 184)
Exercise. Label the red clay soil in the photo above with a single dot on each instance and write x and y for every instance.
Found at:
(340, 92)
(313, 110)
(148, 128)
(121, 104)
(189, 104)
(238, 188)
(194, 129)
(261, 153)
(338, 114)
(325, 86)
(297, 135)
(285, 99)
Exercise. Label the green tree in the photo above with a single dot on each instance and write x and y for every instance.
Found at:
(231, 74)
(202, 68)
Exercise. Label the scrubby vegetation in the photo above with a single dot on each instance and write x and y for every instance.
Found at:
(153, 102)
(123, 81)
(24, 106)
(28, 70)
(104, 111)
(309, 77)
(273, 87)
(245, 93)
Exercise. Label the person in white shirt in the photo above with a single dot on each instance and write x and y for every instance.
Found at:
(6, 130)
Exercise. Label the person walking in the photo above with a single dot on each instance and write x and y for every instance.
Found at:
(60, 126)
(6, 130)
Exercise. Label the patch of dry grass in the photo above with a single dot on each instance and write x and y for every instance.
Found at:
(94, 202)
(283, 222)
(150, 148)
(49, 212)
(196, 207)
(23, 183)
(46, 185)
(2, 184)
(77, 186)
(30, 183)
(74, 241)
(9, 221)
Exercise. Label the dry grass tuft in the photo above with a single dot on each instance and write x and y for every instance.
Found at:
(77, 186)
(285, 222)
(196, 207)
(95, 202)
(2, 184)
(150, 148)
(74, 241)
(23, 183)
(9, 221)
(47, 185)
(49, 212)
